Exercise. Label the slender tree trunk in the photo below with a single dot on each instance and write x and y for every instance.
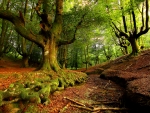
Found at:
(26, 53)
(64, 57)
(25, 61)
(3, 36)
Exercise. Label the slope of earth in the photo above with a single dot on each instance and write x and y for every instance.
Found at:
(95, 96)
(132, 73)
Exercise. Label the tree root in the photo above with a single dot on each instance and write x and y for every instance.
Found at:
(9, 102)
(38, 90)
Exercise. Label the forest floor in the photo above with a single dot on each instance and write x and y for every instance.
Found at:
(88, 97)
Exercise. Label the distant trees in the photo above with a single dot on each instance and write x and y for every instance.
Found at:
(6, 32)
(133, 30)
(51, 28)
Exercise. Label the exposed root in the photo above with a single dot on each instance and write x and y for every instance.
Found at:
(36, 89)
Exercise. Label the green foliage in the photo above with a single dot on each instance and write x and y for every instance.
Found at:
(1, 97)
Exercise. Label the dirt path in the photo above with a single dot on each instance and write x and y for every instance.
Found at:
(92, 93)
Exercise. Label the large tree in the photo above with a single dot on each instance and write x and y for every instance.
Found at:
(49, 37)
(37, 89)
(133, 31)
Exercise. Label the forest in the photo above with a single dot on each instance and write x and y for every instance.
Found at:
(58, 37)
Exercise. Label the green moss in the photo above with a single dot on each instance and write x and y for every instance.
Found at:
(31, 109)
(43, 79)
(1, 98)
(30, 96)
(62, 83)
(44, 93)
(34, 98)
(24, 94)
(54, 84)
(38, 87)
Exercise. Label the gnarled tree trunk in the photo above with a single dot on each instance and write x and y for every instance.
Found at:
(50, 56)
(134, 34)
(49, 38)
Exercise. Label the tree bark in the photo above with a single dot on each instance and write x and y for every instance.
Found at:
(3, 35)
(50, 40)
(134, 45)
(50, 56)
(25, 60)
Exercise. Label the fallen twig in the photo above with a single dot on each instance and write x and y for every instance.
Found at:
(91, 108)
(98, 108)
(104, 102)
(74, 101)
(115, 109)
(107, 84)
(128, 67)
(82, 107)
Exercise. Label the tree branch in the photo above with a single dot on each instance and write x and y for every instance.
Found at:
(142, 18)
(146, 21)
(124, 21)
(121, 33)
(59, 10)
(65, 42)
(38, 7)
(134, 22)
(20, 28)
(147, 16)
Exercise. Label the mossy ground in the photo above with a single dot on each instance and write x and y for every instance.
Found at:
(95, 89)
(35, 87)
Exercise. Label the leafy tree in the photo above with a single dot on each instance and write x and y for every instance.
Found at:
(5, 28)
(133, 31)
(48, 36)
(22, 49)
(49, 39)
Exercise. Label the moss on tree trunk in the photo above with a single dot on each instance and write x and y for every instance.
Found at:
(50, 56)
(134, 45)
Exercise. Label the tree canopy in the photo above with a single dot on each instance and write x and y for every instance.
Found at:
(99, 27)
